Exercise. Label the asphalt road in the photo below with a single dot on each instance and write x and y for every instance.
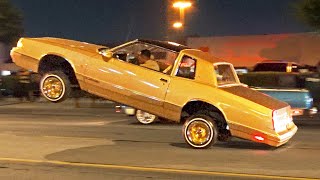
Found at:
(43, 140)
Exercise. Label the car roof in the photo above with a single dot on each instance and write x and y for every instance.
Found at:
(276, 61)
(165, 44)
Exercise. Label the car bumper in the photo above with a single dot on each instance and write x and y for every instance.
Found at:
(282, 138)
(304, 112)
(272, 138)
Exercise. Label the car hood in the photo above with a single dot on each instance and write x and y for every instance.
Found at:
(256, 97)
(70, 43)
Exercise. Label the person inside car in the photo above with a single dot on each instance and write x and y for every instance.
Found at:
(145, 60)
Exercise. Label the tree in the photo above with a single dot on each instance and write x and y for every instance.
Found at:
(10, 23)
(309, 12)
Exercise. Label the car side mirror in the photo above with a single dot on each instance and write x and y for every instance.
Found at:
(106, 53)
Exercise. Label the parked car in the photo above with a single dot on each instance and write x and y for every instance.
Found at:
(288, 87)
(276, 66)
(19, 84)
(192, 87)
(141, 116)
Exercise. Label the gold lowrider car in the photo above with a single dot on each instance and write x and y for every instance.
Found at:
(190, 86)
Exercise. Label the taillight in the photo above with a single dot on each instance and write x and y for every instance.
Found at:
(259, 138)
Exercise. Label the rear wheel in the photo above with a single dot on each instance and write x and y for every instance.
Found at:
(200, 131)
(55, 86)
(145, 117)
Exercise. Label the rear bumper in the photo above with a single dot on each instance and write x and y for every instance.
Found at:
(272, 139)
(282, 138)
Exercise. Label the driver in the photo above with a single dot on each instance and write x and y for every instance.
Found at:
(145, 60)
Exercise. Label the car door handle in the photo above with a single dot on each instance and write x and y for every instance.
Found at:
(163, 80)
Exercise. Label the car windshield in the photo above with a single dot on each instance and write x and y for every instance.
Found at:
(225, 74)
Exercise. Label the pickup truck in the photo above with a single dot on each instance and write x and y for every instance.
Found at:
(189, 86)
(287, 87)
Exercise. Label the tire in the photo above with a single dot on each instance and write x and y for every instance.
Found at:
(144, 117)
(55, 86)
(200, 131)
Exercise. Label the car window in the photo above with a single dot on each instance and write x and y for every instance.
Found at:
(278, 67)
(163, 57)
(187, 67)
(225, 74)
(129, 53)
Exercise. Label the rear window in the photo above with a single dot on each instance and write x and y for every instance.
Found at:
(225, 74)
(277, 67)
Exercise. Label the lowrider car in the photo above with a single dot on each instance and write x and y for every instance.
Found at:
(192, 87)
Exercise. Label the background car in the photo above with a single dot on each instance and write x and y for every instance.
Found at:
(140, 115)
(276, 66)
(20, 84)
(288, 87)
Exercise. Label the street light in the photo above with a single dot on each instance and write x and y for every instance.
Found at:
(177, 25)
(182, 5)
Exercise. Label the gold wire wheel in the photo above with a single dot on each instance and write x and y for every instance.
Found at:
(52, 87)
(198, 132)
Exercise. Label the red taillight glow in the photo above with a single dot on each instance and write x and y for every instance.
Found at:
(259, 138)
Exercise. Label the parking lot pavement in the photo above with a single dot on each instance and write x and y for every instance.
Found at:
(76, 102)
(8, 101)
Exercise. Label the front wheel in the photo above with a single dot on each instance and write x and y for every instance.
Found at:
(200, 131)
(144, 117)
(55, 86)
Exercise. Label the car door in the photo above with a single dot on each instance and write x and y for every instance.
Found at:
(144, 88)
(102, 78)
(127, 83)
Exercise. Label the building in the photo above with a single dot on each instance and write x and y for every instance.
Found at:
(250, 49)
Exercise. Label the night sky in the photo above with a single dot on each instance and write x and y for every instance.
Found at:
(108, 21)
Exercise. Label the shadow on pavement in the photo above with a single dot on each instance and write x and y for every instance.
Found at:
(233, 145)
